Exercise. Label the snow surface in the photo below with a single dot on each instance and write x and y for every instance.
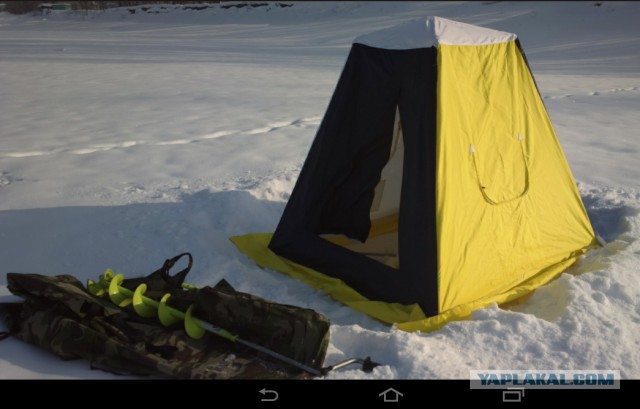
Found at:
(129, 138)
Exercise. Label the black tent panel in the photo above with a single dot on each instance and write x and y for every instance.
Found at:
(335, 189)
(417, 219)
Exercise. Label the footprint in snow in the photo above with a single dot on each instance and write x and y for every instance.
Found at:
(6, 179)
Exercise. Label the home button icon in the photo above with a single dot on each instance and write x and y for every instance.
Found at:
(390, 395)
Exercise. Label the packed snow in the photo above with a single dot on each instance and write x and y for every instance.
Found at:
(128, 138)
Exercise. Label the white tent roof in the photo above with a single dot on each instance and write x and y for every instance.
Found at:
(431, 31)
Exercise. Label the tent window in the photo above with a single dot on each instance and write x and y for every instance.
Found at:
(382, 243)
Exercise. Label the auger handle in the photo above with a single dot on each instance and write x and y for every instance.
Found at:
(194, 327)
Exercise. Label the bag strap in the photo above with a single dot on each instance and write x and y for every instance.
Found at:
(178, 278)
(161, 279)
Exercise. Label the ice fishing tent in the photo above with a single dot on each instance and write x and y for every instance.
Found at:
(435, 184)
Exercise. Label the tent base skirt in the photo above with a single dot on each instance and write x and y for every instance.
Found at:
(405, 317)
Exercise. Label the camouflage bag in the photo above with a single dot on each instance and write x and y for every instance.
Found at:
(61, 315)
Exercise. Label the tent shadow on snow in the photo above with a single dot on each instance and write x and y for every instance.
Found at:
(135, 239)
(610, 219)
